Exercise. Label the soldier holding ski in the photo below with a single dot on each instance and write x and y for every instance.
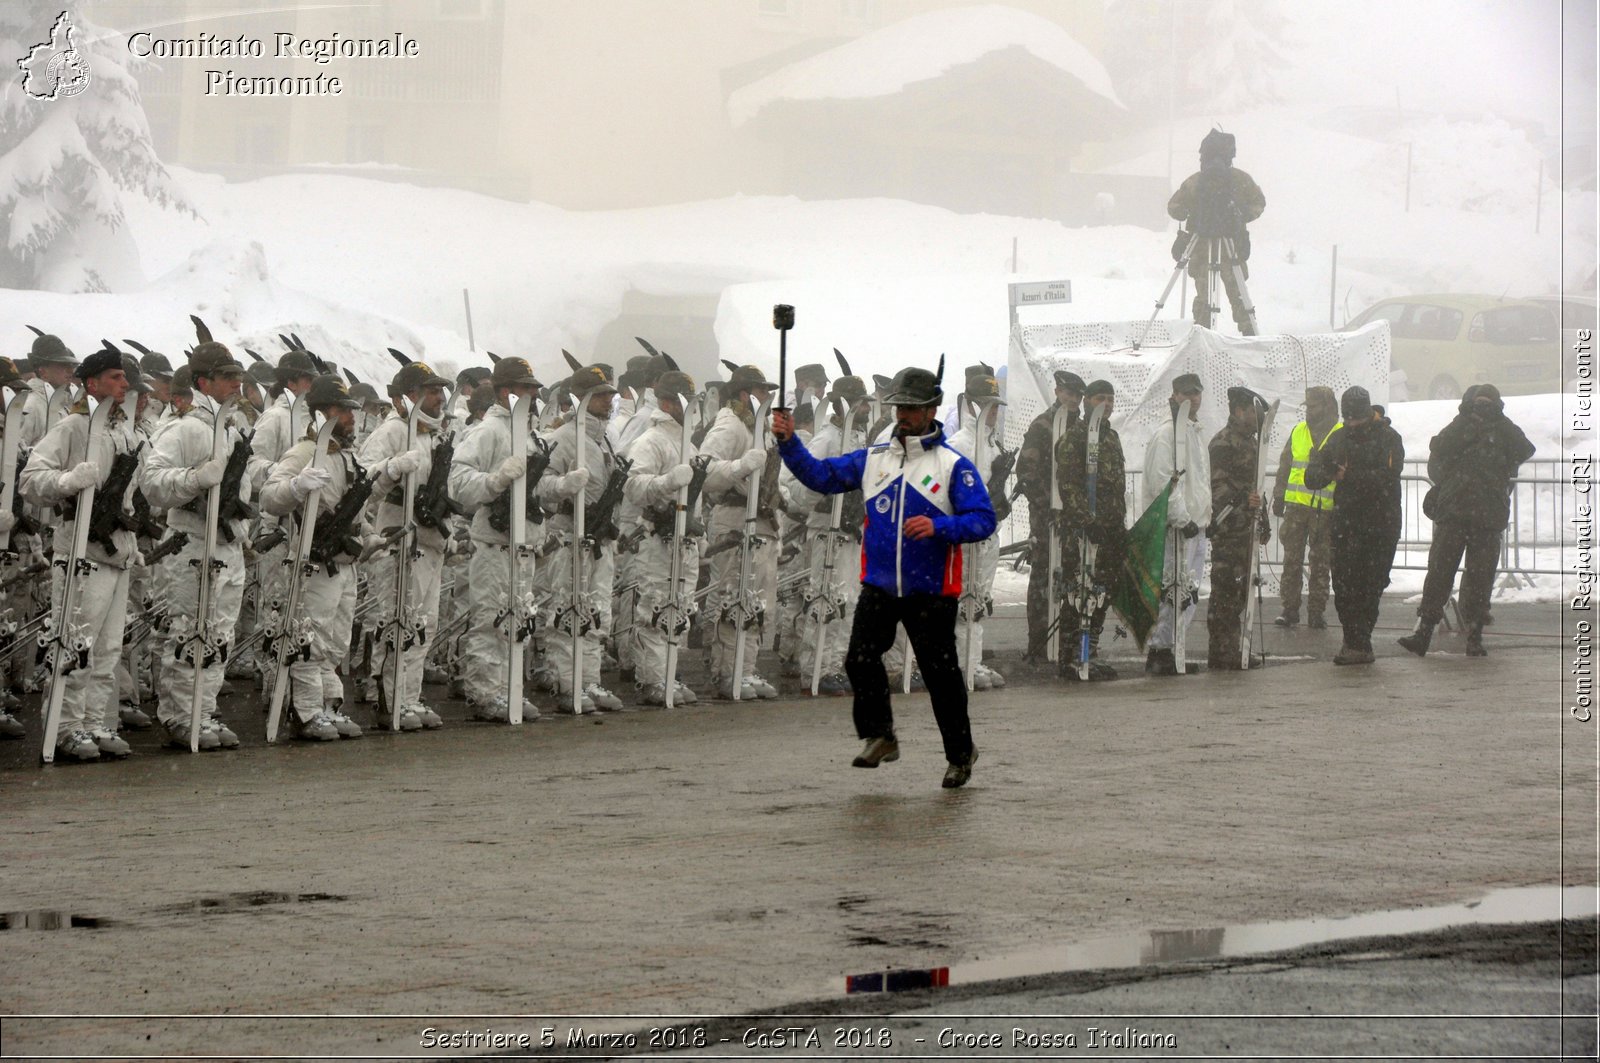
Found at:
(404, 446)
(1035, 472)
(322, 606)
(582, 572)
(91, 588)
(1091, 476)
(1239, 524)
(1177, 455)
(481, 478)
(979, 441)
(738, 544)
(181, 471)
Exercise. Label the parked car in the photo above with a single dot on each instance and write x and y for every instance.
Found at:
(1446, 343)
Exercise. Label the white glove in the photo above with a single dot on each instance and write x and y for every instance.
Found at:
(752, 461)
(309, 479)
(679, 476)
(573, 482)
(82, 475)
(507, 471)
(404, 464)
(210, 474)
(8, 521)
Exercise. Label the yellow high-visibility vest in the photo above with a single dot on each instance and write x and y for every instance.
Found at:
(1297, 493)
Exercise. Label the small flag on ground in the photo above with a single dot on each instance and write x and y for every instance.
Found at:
(1137, 597)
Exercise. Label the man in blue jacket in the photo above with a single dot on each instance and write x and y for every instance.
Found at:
(923, 500)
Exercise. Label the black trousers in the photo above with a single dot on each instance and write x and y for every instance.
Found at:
(1363, 553)
(1451, 539)
(1038, 573)
(930, 620)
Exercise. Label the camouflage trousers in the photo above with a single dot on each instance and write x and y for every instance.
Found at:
(1481, 547)
(1230, 592)
(1303, 529)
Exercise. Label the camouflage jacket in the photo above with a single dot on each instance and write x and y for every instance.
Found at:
(1033, 457)
(1233, 477)
(1111, 505)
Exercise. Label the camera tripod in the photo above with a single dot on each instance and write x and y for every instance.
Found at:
(1220, 255)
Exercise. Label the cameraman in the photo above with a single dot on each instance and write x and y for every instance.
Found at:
(1216, 204)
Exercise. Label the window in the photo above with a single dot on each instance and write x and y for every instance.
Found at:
(1389, 312)
(1514, 324)
(1424, 322)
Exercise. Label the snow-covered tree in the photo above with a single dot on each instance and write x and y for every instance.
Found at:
(67, 158)
(1216, 57)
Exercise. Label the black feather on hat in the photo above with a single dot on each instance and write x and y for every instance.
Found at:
(843, 365)
(646, 345)
(254, 355)
(200, 329)
(730, 366)
(571, 361)
(37, 331)
(670, 363)
(494, 359)
(402, 359)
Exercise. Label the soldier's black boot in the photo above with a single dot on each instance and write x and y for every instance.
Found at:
(1475, 641)
(1419, 639)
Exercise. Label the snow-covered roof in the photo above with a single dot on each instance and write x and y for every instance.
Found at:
(920, 48)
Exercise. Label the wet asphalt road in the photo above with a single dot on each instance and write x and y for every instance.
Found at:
(725, 858)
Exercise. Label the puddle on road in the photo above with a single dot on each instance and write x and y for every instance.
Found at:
(50, 920)
(1532, 904)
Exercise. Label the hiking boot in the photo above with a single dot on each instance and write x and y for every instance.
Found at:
(1475, 641)
(178, 737)
(746, 691)
(496, 711)
(409, 721)
(603, 699)
(956, 775)
(1160, 662)
(133, 718)
(877, 751)
(762, 688)
(226, 739)
(832, 685)
(1317, 623)
(654, 694)
(317, 729)
(1353, 655)
(1419, 639)
(458, 689)
(10, 726)
(110, 744)
(1289, 618)
(789, 668)
(431, 722)
(996, 680)
(78, 745)
(980, 678)
(682, 695)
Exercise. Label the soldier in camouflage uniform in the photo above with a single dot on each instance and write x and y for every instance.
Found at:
(1216, 202)
(1238, 523)
(1105, 528)
(1033, 481)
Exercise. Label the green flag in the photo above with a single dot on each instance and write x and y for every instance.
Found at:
(1137, 598)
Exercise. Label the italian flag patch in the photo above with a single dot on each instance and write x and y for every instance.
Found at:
(926, 480)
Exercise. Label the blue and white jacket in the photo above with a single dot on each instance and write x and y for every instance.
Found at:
(902, 478)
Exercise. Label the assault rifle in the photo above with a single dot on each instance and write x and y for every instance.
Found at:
(167, 547)
(500, 508)
(233, 507)
(433, 506)
(663, 521)
(600, 517)
(106, 516)
(335, 534)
